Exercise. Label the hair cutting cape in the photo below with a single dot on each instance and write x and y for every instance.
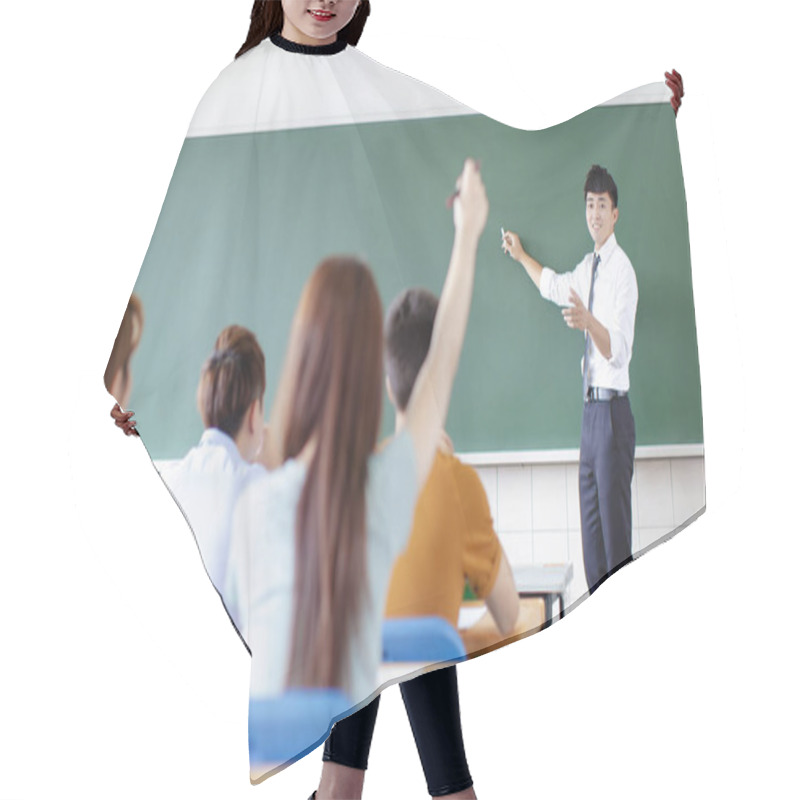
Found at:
(295, 154)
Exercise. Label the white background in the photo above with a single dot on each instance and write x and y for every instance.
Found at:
(119, 673)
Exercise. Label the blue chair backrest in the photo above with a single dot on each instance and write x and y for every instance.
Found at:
(421, 639)
(289, 726)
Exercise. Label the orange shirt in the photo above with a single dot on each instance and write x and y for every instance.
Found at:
(452, 539)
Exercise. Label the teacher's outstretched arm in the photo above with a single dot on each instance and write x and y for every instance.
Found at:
(512, 245)
(427, 408)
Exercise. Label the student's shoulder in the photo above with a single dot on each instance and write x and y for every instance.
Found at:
(261, 484)
(472, 499)
(392, 472)
(180, 469)
(266, 502)
(466, 476)
(251, 474)
(392, 451)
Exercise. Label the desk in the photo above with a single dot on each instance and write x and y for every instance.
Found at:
(548, 581)
(480, 637)
(484, 636)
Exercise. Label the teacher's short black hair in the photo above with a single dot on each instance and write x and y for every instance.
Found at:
(598, 181)
(407, 334)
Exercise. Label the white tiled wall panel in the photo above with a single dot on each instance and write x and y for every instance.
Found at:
(635, 538)
(550, 547)
(654, 493)
(573, 498)
(537, 513)
(518, 547)
(578, 586)
(549, 497)
(488, 476)
(635, 499)
(514, 499)
(574, 546)
(688, 487)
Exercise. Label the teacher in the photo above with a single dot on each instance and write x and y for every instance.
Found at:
(599, 297)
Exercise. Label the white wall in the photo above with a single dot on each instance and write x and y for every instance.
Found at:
(536, 510)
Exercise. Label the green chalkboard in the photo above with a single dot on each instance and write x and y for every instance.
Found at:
(227, 250)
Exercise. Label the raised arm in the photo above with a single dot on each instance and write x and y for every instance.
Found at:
(430, 399)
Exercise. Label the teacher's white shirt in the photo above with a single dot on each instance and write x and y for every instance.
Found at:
(616, 296)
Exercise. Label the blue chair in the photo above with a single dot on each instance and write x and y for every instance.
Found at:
(421, 639)
(287, 727)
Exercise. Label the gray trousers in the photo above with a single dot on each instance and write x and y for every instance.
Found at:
(608, 439)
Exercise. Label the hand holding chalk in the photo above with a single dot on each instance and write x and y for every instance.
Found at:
(511, 244)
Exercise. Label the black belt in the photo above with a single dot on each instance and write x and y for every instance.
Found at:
(600, 394)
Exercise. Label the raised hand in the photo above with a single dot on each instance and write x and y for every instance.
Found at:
(470, 204)
(124, 420)
(675, 83)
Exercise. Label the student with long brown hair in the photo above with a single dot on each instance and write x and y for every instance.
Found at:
(315, 540)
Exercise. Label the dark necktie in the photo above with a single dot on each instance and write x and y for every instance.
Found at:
(595, 262)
